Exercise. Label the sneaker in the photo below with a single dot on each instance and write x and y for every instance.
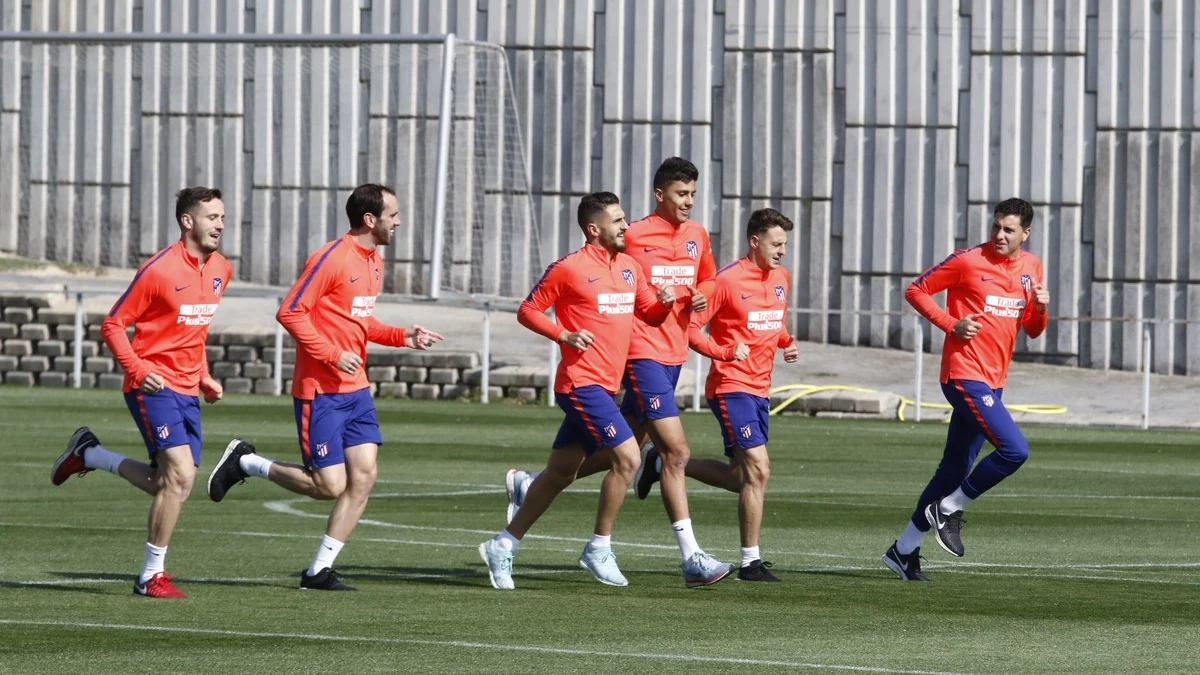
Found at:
(70, 462)
(602, 563)
(946, 528)
(499, 562)
(907, 566)
(516, 482)
(158, 586)
(702, 570)
(228, 471)
(325, 580)
(648, 473)
(756, 571)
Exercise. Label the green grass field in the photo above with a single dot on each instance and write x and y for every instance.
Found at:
(1086, 561)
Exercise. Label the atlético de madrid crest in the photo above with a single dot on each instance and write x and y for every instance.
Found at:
(218, 282)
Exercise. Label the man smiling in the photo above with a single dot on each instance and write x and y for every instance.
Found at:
(994, 289)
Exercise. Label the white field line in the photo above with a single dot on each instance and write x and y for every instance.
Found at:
(472, 645)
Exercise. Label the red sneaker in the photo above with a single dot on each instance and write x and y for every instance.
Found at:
(71, 461)
(159, 586)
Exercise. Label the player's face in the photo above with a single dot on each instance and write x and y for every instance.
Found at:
(766, 249)
(612, 226)
(204, 224)
(675, 201)
(1008, 235)
(384, 228)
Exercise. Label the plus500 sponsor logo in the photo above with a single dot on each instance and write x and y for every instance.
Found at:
(363, 306)
(1004, 307)
(771, 319)
(614, 303)
(195, 315)
(672, 275)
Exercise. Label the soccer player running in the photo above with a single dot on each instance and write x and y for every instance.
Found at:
(170, 303)
(671, 250)
(994, 289)
(595, 293)
(328, 311)
(745, 317)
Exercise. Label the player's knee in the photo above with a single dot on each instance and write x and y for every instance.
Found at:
(676, 457)
(756, 472)
(625, 461)
(1016, 451)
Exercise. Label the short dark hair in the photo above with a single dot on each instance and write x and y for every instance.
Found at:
(593, 205)
(764, 219)
(675, 169)
(188, 197)
(1015, 207)
(366, 198)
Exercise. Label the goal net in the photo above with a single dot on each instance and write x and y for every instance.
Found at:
(97, 137)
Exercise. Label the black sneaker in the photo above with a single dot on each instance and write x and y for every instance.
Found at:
(907, 566)
(325, 580)
(70, 462)
(228, 471)
(648, 473)
(946, 528)
(757, 571)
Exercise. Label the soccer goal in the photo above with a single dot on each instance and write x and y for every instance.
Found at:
(98, 131)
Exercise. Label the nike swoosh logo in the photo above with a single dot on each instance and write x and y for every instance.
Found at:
(354, 279)
(903, 563)
(746, 295)
(647, 249)
(180, 288)
(592, 281)
(987, 279)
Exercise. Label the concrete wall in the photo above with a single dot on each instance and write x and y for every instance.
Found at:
(886, 130)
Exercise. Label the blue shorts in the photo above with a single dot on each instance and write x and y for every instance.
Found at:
(649, 390)
(166, 419)
(593, 420)
(743, 419)
(330, 423)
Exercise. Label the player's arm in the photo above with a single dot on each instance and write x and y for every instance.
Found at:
(702, 342)
(386, 334)
(127, 310)
(532, 312)
(316, 280)
(650, 304)
(1036, 318)
(933, 281)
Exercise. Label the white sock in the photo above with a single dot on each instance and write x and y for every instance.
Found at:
(600, 541)
(910, 540)
(687, 540)
(957, 501)
(155, 557)
(100, 457)
(507, 541)
(327, 552)
(749, 555)
(256, 465)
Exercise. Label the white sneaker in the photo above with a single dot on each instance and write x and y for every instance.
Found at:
(602, 563)
(516, 482)
(499, 562)
(702, 569)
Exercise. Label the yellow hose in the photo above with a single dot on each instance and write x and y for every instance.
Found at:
(809, 389)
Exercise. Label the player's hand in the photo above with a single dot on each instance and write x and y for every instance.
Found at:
(741, 351)
(699, 302)
(579, 339)
(791, 353)
(666, 295)
(1041, 298)
(213, 391)
(349, 363)
(152, 384)
(967, 327)
(420, 337)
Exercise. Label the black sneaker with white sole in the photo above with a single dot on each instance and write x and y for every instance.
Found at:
(947, 528)
(325, 580)
(907, 566)
(648, 473)
(228, 471)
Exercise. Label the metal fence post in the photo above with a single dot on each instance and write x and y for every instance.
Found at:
(442, 184)
(920, 368)
(1146, 351)
(487, 352)
(77, 360)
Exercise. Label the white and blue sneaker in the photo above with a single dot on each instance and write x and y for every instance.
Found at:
(602, 563)
(703, 570)
(516, 482)
(499, 562)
